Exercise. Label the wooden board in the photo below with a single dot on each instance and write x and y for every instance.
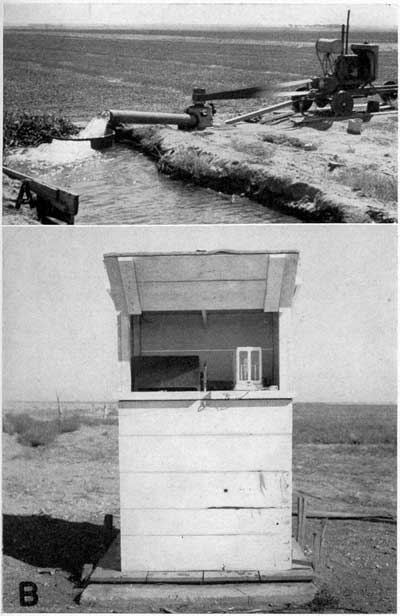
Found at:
(175, 522)
(202, 267)
(124, 338)
(116, 288)
(232, 577)
(62, 200)
(205, 490)
(202, 295)
(208, 281)
(224, 331)
(175, 577)
(289, 281)
(129, 284)
(204, 552)
(174, 417)
(276, 268)
(285, 345)
(124, 352)
(232, 394)
(205, 453)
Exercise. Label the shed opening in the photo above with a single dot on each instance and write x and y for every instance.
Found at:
(197, 350)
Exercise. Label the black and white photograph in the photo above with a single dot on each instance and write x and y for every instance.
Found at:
(199, 307)
(200, 113)
(211, 423)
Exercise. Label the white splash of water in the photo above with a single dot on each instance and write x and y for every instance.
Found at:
(96, 128)
(54, 154)
(60, 152)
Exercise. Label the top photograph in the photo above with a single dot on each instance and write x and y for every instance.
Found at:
(162, 113)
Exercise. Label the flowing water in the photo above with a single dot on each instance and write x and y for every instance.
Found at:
(122, 186)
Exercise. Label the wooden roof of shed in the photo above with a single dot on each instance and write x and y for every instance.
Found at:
(219, 280)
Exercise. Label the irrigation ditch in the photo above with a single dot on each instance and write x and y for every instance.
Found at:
(309, 176)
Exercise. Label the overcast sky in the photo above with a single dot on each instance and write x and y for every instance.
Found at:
(75, 12)
(60, 332)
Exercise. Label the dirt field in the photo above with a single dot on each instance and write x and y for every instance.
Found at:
(81, 73)
(55, 499)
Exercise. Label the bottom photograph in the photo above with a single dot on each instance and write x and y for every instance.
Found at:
(199, 419)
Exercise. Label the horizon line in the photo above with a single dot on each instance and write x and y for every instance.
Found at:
(161, 26)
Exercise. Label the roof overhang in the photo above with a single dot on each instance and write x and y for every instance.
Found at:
(223, 280)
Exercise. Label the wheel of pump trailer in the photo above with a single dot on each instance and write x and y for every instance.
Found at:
(321, 101)
(342, 103)
(299, 104)
(391, 95)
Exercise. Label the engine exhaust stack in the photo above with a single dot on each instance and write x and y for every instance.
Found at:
(347, 31)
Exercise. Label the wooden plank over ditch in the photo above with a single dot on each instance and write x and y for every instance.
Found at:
(61, 204)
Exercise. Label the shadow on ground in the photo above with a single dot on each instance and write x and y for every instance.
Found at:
(43, 541)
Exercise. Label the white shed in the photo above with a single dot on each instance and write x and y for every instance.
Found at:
(205, 409)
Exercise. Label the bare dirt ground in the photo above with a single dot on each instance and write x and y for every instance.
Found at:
(55, 499)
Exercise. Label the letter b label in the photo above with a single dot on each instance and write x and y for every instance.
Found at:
(28, 596)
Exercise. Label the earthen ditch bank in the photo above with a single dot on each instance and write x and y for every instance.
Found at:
(317, 172)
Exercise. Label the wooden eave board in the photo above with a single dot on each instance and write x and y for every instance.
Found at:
(201, 281)
(199, 253)
(116, 287)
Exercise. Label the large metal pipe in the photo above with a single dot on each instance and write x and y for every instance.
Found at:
(125, 116)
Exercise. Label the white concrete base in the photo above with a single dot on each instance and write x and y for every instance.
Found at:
(191, 598)
(197, 591)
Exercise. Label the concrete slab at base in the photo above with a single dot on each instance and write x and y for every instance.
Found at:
(189, 598)
(108, 571)
(197, 591)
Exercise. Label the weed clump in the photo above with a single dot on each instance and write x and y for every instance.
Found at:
(37, 433)
(16, 424)
(69, 424)
(323, 601)
(370, 183)
(25, 129)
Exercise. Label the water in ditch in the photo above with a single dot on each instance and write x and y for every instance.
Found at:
(122, 186)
